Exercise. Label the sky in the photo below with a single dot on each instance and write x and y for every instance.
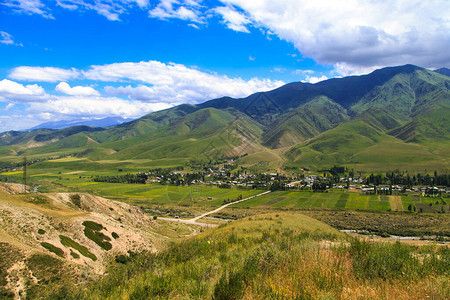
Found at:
(91, 59)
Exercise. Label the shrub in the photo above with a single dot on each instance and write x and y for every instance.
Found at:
(98, 238)
(68, 242)
(76, 200)
(114, 235)
(41, 231)
(92, 225)
(54, 249)
(121, 259)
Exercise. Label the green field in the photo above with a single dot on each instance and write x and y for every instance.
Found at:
(70, 175)
(332, 200)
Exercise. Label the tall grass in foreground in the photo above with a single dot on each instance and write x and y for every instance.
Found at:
(276, 257)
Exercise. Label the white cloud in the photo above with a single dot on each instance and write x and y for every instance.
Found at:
(43, 74)
(6, 38)
(174, 9)
(95, 107)
(148, 86)
(13, 91)
(28, 7)
(175, 82)
(251, 58)
(360, 35)
(233, 19)
(111, 9)
(314, 79)
(65, 88)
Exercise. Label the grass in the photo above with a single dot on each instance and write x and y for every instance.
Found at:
(331, 200)
(275, 256)
(68, 242)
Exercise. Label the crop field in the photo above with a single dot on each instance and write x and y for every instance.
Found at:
(61, 176)
(332, 200)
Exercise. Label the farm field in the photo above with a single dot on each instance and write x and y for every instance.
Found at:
(331, 200)
(61, 179)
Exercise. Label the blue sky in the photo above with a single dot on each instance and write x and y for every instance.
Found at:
(72, 59)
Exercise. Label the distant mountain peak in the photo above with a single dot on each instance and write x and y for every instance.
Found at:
(104, 122)
(443, 71)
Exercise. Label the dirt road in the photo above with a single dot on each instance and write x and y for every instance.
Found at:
(193, 221)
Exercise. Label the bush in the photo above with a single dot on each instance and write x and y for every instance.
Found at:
(41, 231)
(121, 259)
(54, 249)
(114, 235)
(74, 255)
(68, 242)
(76, 200)
(92, 232)
(92, 225)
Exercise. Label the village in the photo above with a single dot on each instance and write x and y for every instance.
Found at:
(336, 178)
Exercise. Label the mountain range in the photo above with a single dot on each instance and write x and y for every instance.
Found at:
(395, 117)
(103, 122)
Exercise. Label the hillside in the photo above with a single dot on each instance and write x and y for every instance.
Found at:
(298, 124)
(46, 237)
(284, 255)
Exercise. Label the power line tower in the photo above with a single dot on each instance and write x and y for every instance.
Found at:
(25, 175)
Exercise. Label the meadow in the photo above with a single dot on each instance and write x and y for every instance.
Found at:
(273, 256)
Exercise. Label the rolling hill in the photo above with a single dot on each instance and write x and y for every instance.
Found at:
(396, 117)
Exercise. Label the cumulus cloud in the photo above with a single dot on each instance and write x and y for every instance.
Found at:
(13, 91)
(233, 19)
(174, 82)
(64, 87)
(134, 89)
(95, 107)
(361, 34)
(43, 74)
(314, 79)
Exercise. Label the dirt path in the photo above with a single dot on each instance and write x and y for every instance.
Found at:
(193, 221)
(396, 203)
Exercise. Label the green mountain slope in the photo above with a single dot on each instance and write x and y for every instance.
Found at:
(357, 144)
(305, 122)
(392, 116)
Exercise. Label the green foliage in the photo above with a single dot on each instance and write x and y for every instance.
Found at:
(41, 231)
(52, 248)
(114, 235)
(230, 286)
(263, 257)
(392, 261)
(92, 225)
(68, 242)
(76, 200)
(38, 199)
(74, 254)
(92, 232)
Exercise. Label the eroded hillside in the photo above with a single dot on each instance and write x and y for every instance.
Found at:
(76, 234)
